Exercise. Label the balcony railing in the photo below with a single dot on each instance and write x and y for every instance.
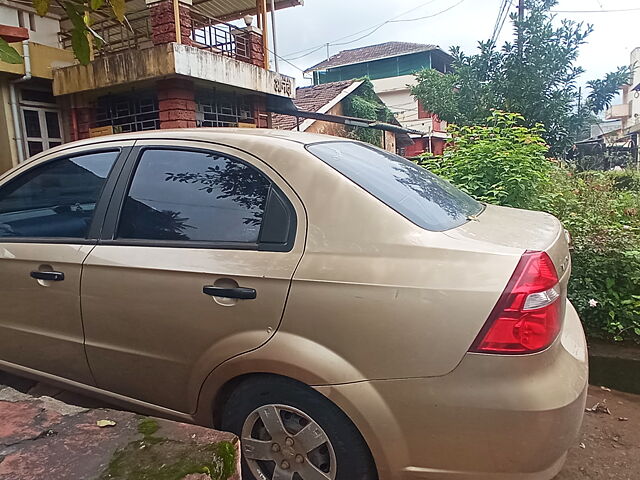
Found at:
(136, 33)
(219, 37)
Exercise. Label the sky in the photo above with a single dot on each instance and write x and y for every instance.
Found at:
(449, 23)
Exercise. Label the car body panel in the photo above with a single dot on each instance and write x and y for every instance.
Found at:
(43, 316)
(175, 334)
(503, 417)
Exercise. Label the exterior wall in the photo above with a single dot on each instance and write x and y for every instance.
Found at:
(8, 154)
(46, 28)
(329, 128)
(396, 94)
(389, 142)
(634, 97)
(44, 59)
(425, 144)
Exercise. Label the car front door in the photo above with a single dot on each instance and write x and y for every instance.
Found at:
(198, 251)
(47, 214)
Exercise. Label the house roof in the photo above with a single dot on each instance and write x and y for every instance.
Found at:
(316, 98)
(372, 52)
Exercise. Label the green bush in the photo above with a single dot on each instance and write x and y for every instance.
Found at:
(502, 163)
(505, 164)
(603, 217)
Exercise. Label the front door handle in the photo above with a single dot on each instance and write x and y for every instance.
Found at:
(238, 292)
(51, 276)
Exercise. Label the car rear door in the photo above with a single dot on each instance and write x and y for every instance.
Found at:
(194, 267)
(50, 213)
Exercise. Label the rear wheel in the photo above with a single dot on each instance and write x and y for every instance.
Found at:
(289, 431)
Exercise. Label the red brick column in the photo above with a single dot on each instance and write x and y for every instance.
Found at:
(176, 101)
(163, 22)
(250, 49)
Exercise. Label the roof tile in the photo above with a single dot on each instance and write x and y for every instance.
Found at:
(372, 52)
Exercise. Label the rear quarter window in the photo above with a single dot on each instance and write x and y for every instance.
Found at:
(415, 193)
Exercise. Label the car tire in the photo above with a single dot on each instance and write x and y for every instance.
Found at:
(260, 401)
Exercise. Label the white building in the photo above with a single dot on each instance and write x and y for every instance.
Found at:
(628, 112)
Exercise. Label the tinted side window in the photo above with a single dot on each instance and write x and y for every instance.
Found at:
(56, 199)
(194, 196)
(415, 193)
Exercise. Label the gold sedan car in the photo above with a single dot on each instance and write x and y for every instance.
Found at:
(348, 314)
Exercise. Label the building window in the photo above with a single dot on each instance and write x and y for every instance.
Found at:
(222, 109)
(41, 128)
(27, 20)
(128, 113)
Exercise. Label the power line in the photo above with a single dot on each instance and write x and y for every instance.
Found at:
(428, 16)
(395, 21)
(364, 29)
(596, 11)
(379, 26)
(503, 14)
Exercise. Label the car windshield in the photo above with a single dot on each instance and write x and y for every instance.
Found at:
(427, 200)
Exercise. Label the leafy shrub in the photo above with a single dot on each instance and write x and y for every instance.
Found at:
(505, 164)
(603, 217)
(502, 163)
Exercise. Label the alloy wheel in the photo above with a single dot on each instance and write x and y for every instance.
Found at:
(280, 442)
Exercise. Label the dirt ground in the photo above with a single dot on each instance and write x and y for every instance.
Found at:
(609, 446)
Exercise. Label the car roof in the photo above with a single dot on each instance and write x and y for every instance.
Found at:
(215, 134)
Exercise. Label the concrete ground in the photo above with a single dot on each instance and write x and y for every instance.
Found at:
(48, 433)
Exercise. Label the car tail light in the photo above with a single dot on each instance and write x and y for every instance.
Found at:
(527, 317)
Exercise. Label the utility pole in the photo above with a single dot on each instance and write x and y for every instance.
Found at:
(273, 35)
(327, 51)
(520, 20)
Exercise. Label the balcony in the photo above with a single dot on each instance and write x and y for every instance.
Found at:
(201, 23)
(205, 33)
(621, 112)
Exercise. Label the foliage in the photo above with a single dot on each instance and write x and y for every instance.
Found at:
(502, 162)
(9, 54)
(536, 78)
(82, 35)
(603, 91)
(364, 103)
(601, 210)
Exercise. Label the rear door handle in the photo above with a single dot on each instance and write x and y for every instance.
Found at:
(51, 276)
(238, 292)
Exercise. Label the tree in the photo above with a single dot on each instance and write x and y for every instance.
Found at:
(79, 13)
(536, 79)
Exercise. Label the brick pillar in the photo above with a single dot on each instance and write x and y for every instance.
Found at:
(163, 23)
(249, 46)
(176, 101)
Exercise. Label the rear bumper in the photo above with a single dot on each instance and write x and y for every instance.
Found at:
(493, 417)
